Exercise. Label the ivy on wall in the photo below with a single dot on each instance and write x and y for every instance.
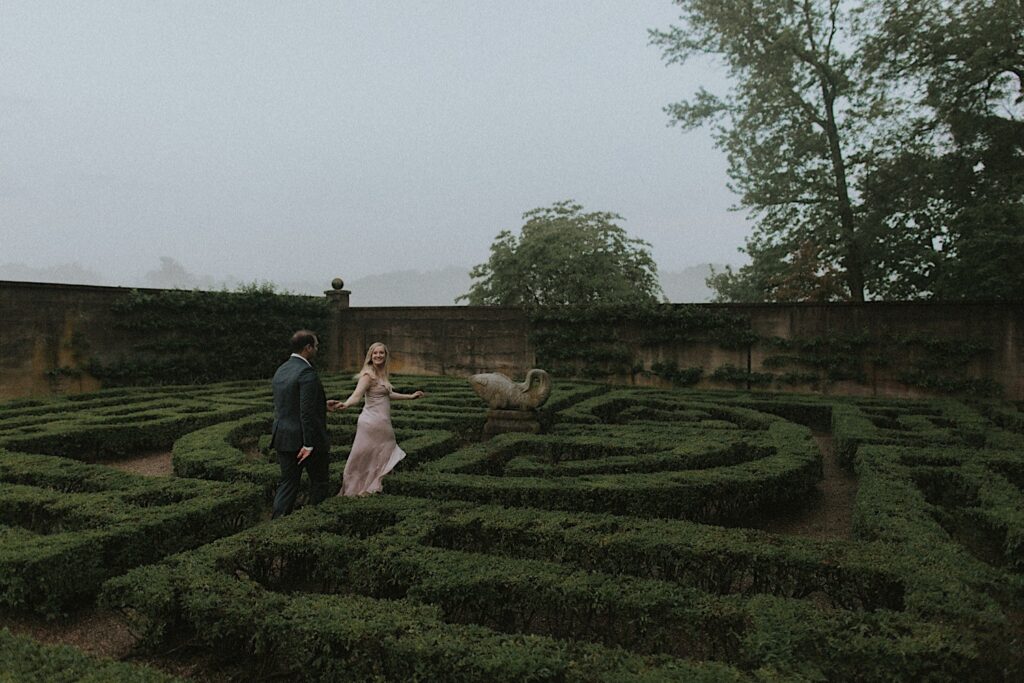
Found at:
(189, 337)
(589, 342)
(602, 341)
(832, 358)
(940, 365)
(935, 365)
(185, 337)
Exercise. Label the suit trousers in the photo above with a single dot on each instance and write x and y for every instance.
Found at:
(291, 474)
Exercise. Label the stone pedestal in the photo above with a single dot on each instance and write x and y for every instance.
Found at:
(337, 304)
(502, 421)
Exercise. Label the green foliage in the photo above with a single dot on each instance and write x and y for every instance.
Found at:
(62, 518)
(836, 357)
(23, 660)
(662, 474)
(565, 256)
(671, 371)
(794, 126)
(110, 424)
(377, 603)
(936, 365)
(775, 274)
(740, 377)
(600, 340)
(879, 146)
(580, 554)
(953, 172)
(191, 337)
(462, 592)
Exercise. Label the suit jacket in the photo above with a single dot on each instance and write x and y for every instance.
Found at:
(300, 408)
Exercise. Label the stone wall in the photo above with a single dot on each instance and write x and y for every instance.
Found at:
(997, 326)
(48, 333)
(443, 340)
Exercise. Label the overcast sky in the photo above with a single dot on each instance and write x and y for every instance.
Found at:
(287, 140)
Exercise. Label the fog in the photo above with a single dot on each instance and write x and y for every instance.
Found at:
(294, 142)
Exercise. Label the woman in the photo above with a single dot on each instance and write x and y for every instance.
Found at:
(374, 451)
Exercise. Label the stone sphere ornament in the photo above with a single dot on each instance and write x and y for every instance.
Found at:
(337, 283)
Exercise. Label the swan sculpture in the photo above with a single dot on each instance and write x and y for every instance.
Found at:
(501, 393)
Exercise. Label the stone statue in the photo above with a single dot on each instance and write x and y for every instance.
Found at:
(501, 393)
(513, 406)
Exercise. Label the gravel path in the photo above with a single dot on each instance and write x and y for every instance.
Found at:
(105, 634)
(154, 464)
(829, 513)
(828, 516)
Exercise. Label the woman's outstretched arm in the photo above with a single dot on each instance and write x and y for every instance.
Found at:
(395, 396)
(357, 393)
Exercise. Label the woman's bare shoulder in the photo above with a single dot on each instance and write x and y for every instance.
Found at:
(368, 377)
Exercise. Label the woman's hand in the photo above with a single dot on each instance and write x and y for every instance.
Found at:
(417, 394)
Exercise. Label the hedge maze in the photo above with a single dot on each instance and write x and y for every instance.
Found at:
(23, 659)
(634, 453)
(617, 545)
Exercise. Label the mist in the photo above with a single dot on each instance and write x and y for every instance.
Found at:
(296, 142)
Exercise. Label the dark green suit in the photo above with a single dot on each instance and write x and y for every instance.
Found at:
(300, 419)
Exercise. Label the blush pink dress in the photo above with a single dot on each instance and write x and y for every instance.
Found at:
(374, 450)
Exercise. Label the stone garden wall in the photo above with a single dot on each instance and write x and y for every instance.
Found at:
(50, 333)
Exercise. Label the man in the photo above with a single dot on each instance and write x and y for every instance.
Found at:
(300, 425)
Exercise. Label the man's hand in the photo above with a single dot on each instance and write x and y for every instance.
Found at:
(418, 394)
(304, 453)
(334, 404)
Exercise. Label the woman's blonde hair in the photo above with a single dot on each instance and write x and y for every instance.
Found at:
(368, 368)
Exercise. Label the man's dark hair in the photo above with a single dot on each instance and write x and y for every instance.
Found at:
(301, 340)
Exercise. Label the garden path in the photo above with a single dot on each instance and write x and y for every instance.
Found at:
(152, 464)
(106, 634)
(829, 513)
(102, 633)
(827, 516)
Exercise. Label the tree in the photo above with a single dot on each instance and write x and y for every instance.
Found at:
(801, 276)
(173, 275)
(958, 165)
(882, 139)
(565, 256)
(794, 125)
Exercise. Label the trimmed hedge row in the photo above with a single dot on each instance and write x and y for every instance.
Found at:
(1004, 415)
(100, 426)
(23, 660)
(224, 596)
(872, 422)
(61, 518)
(679, 470)
(393, 587)
(712, 559)
(949, 582)
(368, 584)
(939, 491)
(942, 422)
(941, 486)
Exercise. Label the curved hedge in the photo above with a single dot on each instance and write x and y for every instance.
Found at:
(60, 518)
(371, 582)
(23, 660)
(583, 553)
(694, 460)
